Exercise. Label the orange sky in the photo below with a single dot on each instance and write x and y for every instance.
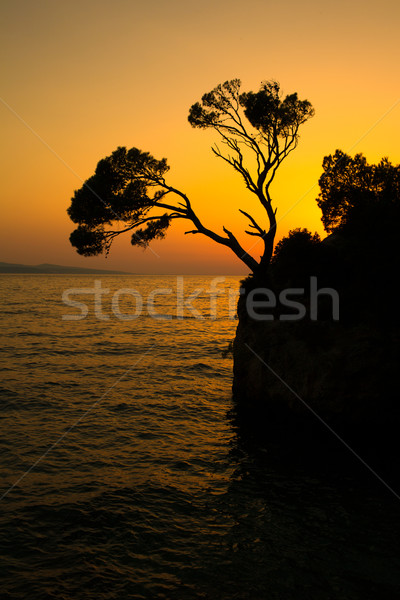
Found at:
(81, 78)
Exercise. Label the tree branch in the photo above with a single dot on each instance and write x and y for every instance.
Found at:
(254, 225)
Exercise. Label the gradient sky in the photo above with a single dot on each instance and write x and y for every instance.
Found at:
(81, 78)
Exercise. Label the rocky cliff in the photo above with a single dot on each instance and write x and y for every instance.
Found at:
(342, 370)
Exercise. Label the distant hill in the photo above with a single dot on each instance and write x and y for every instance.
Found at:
(48, 269)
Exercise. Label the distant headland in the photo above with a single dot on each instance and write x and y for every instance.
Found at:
(49, 269)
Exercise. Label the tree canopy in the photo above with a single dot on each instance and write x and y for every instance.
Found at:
(295, 243)
(256, 130)
(353, 191)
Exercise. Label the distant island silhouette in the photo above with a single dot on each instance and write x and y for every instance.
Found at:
(49, 269)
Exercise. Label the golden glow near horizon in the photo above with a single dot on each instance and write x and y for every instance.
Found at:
(85, 77)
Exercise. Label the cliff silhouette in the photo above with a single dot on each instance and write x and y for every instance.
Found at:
(297, 375)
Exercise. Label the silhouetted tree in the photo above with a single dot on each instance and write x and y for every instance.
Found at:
(355, 193)
(296, 257)
(257, 130)
(296, 242)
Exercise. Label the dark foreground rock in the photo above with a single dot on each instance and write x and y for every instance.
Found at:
(296, 379)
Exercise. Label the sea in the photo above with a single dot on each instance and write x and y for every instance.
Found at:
(124, 474)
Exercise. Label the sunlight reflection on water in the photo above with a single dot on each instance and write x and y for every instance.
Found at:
(151, 494)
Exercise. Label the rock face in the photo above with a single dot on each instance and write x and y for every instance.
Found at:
(298, 373)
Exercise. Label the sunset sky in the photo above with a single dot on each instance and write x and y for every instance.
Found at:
(81, 78)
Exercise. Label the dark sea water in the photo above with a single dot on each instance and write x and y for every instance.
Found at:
(125, 477)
